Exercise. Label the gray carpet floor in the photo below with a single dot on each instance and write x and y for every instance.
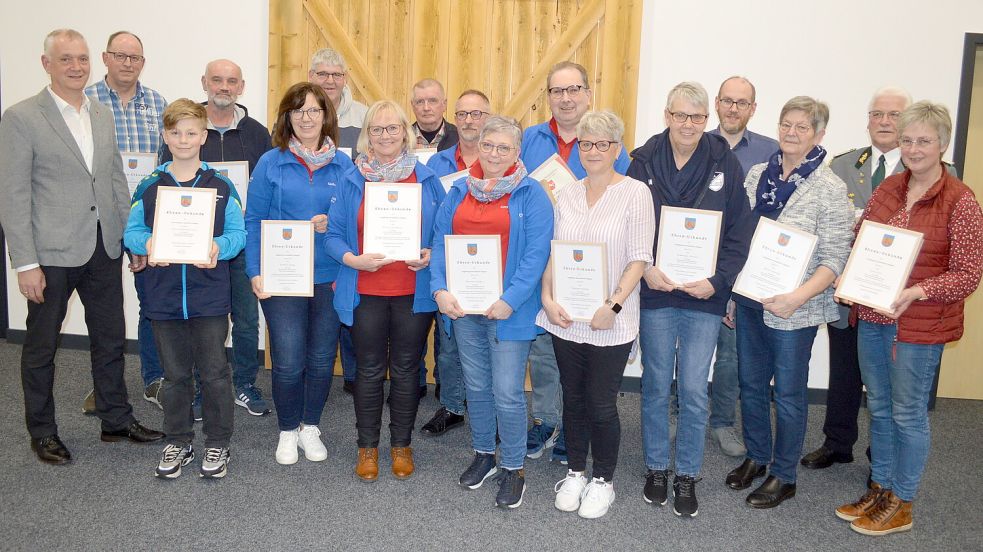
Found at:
(108, 498)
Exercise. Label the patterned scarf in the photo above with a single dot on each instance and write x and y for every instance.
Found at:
(488, 190)
(313, 159)
(395, 171)
(773, 192)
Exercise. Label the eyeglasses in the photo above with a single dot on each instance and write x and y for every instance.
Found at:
(488, 147)
(878, 115)
(334, 76)
(727, 103)
(601, 145)
(800, 128)
(393, 130)
(420, 102)
(476, 115)
(680, 117)
(121, 57)
(572, 91)
(906, 142)
(298, 114)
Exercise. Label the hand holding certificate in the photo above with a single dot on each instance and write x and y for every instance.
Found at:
(392, 220)
(879, 265)
(554, 175)
(474, 271)
(777, 260)
(687, 244)
(184, 221)
(580, 283)
(287, 258)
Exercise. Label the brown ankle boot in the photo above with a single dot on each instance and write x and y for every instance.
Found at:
(889, 515)
(368, 464)
(402, 462)
(858, 509)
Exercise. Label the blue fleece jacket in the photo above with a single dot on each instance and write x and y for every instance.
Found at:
(539, 143)
(282, 189)
(343, 238)
(443, 162)
(530, 232)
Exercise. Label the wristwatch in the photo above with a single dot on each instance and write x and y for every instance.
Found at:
(616, 307)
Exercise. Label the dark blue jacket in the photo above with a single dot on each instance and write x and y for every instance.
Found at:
(539, 143)
(248, 141)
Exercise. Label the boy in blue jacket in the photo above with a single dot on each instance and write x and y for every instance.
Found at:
(188, 305)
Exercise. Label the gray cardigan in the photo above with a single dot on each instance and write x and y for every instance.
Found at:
(820, 206)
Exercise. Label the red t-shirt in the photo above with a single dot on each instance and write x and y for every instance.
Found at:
(394, 279)
(475, 217)
(461, 165)
(566, 148)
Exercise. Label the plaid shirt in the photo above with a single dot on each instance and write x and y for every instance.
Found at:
(140, 123)
(422, 142)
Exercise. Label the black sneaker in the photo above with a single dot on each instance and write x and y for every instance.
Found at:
(481, 468)
(656, 487)
(442, 421)
(684, 490)
(512, 486)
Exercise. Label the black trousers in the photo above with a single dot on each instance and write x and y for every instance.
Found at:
(845, 390)
(387, 334)
(591, 378)
(99, 285)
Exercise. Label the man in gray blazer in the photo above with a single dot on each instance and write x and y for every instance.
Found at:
(65, 205)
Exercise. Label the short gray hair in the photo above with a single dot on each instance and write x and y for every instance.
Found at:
(505, 125)
(692, 92)
(892, 92)
(327, 56)
(70, 34)
(601, 123)
(817, 111)
(931, 114)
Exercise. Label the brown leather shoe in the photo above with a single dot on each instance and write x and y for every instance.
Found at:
(889, 515)
(858, 509)
(367, 468)
(402, 462)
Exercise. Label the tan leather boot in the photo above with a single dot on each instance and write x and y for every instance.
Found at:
(858, 509)
(368, 464)
(402, 462)
(889, 515)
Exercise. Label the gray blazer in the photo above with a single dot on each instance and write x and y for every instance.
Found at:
(819, 206)
(51, 201)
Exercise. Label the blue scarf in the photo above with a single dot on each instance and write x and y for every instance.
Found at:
(773, 192)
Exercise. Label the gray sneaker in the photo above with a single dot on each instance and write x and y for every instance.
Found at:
(173, 459)
(152, 392)
(215, 464)
(730, 442)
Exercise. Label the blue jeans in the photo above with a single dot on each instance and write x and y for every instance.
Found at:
(547, 398)
(672, 337)
(899, 383)
(347, 351)
(494, 377)
(725, 389)
(245, 325)
(303, 341)
(450, 372)
(767, 353)
(150, 368)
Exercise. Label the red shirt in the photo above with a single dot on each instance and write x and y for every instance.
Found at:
(565, 148)
(394, 279)
(461, 165)
(475, 217)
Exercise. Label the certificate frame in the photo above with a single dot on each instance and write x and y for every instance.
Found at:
(369, 243)
(760, 241)
(562, 252)
(554, 175)
(687, 214)
(452, 243)
(162, 225)
(881, 236)
(423, 155)
(268, 232)
(447, 181)
(137, 166)
(238, 173)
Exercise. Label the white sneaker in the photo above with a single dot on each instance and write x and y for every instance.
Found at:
(310, 442)
(568, 491)
(286, 449)
(598, 497)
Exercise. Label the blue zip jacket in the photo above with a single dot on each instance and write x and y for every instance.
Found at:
(443, 162)
(539, 142)
(343, 238)
(281, 188)
(183, 291)
(530, 232)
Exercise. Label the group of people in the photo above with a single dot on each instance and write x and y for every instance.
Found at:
(60, 163)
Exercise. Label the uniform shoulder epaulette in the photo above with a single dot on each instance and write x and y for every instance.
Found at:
(847, 152)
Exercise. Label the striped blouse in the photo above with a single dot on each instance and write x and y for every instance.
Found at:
(624, 219)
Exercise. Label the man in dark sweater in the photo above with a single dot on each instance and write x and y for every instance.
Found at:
(429, 105)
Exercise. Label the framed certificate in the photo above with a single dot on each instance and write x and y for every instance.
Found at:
(474, 270)
(184, 221)
(424, 154)
(554, 175)
(879, 265)
(287, 257)
(392, 220)
(580, 277)
(777, 260)
(238, 173)
(136, 167)
(449, 180)
(687, 244)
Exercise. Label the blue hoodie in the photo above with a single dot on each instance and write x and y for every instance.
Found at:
(530, 232)
(444, 162)
(539, 143)
(343, 238)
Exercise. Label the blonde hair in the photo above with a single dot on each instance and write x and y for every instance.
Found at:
(601, 123)
(932, 114)
(409, 138)
(183, 108)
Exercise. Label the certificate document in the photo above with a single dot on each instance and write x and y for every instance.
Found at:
(474, 270)
(392, 220)
(554, 175)
(136, 167)
(580, 280)
(287, 257)
(184, 221)
(879, 265)
(449, 180)
(424, 154)
(777, 260)
(238, 173)
(687, 243)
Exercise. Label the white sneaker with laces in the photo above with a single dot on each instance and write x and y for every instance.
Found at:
(568, 491)
(598, 497)
(309, 441)
(286, 449)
